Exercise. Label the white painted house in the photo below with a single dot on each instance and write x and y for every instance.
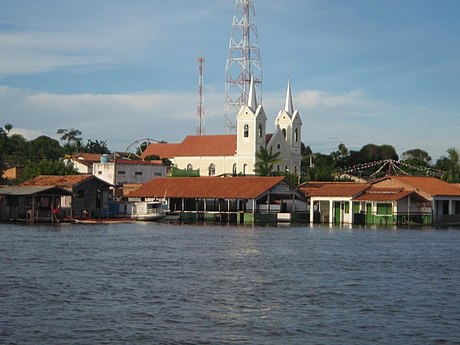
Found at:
(123, 171)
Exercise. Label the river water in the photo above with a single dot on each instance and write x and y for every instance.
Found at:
(155, 283)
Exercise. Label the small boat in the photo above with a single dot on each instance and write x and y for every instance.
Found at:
(102, 220)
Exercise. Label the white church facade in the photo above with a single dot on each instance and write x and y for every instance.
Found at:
(233, 154)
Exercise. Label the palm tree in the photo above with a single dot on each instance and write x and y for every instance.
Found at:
(452, 165)
(265, 161)
(8, 127)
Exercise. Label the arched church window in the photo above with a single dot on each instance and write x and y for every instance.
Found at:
(278, 146)
(189, 166)
(234, 169)
(284, 133)
(245, 166)
(212, 169)
(260, 131)
(296, 135)
(278, 168)
(246, 131)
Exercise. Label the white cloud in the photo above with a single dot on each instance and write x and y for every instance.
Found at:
(328, 119)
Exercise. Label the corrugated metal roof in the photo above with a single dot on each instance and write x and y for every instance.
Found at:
(30, 190)
(247, 187)
(65, 181)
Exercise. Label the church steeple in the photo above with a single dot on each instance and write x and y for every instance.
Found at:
(252, 101)
(288, 106)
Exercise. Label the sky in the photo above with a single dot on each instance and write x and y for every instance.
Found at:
(361, 71)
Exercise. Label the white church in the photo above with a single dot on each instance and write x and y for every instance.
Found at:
(233, 154)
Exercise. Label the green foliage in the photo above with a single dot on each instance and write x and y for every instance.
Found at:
(451, 165)
(265, 161)
(371, 153)
(44, 147)
(96, 146)
(47, 167)
(73, 139)
(176, 172)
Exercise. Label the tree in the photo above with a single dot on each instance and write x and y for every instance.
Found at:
(96, 146)
(8, 128)
(265, 161)
(451, 165)
(416, 155)
(371, 153)
(47, 167)
(73, 138)
(44, 147)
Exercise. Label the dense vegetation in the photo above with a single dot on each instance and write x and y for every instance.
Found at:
(43, 155)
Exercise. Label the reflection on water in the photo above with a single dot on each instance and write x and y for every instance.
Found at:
(153, 283)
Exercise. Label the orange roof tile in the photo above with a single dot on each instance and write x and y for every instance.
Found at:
(429, 185)
(89, 157)
(337, 189)
(207, 145)
(67, 182)
(388, 194)
(247, 187)
(162, 150)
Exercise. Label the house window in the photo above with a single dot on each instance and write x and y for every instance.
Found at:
(296, 135)
(234, 169)
(99, 172)
(286, 168)
(121, 172)
(157, 174)
(138, 173)
(284, 133)
(384, 208)
(245, 166)
(212, 169)
(277, 168)
(80, 193)
(278, 146)
(260, 131)
(246, 131)
(189, 166)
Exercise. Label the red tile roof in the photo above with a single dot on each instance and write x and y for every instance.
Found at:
(67, 182)
(334, 189)
(388, 194)
(162, 150)
(207, 145)
(137, 162)
(429, 185)
(247, 187)
(88, 157)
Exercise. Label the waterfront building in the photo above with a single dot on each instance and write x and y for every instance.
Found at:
(89, 196)
(390, 200)
(242, 198)
(235, 154)
(444, 198)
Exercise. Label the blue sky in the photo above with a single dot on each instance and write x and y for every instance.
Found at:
(361, 71)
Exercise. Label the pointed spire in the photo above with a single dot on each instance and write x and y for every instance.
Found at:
(252, 101)
(288, 107)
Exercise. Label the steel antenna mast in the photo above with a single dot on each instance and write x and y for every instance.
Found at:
(243, 61)
(200, 102)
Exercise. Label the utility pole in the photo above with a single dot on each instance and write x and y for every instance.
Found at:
(243, 62)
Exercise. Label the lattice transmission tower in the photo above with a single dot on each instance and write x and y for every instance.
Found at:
(200, 99)
(243, 61)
